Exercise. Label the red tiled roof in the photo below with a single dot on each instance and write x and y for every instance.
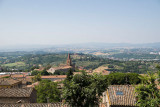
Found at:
(8, 81)
(36, 105)
(15, 92)
(127, 97)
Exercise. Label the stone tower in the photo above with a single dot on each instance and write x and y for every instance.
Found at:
(69, 63)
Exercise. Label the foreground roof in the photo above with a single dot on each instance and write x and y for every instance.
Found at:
(122, 95)
(8, 81)
(35, 105)
(15, 92)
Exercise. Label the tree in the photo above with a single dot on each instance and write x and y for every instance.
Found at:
(34, 67)
(36, 78)
(35, 73)
(110, 66)
(84, 90)
(44, 72)
(123, 78)
(158, 78)
(47, 91)
(69, 74)
(148, 94)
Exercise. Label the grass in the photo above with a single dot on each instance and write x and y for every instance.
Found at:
(6, 77)
(19, 64)
(86, 63)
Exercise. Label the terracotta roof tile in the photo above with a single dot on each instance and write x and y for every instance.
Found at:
(8, 81)
(122, 95)
(15, 92)
(36, 105)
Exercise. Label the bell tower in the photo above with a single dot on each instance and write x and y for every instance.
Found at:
(69, 63)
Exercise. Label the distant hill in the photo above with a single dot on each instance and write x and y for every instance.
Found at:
(110, 45)
(77, 46)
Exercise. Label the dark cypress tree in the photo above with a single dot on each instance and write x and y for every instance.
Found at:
(69, 75)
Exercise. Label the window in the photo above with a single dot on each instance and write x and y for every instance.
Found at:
(119, 93)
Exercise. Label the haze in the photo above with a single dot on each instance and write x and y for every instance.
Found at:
(51, 22)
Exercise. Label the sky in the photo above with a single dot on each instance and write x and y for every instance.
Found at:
(52, 22)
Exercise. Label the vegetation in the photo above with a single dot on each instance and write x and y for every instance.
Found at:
(17, 64)
(148, 94)
(84, 90)
(36, 78)
(23, 61)
(60, 73)
(44, 72)
(47, 92)
(6, 77)
(128, 56)
(123, 78)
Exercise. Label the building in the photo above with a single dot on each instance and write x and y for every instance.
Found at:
(10, 83)
(69, 62)
(119, 96)
(18, 95)
(59, 104)
(63, 68)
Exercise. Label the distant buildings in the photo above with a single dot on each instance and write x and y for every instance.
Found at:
(154, 53)
(63, 68)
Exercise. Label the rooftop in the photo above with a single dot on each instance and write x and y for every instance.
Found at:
(122, 95)
(15, 92)
(8, 81)
(35, 105)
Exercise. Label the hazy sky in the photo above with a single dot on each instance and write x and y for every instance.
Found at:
(79, 21)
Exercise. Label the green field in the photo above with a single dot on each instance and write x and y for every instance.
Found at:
(17, 64)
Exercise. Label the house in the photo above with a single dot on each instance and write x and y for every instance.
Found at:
(18, 95)
(119, 96)
(10, 83)
(59, 104)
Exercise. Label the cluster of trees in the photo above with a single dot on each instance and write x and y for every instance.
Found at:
(44, 72)
(133, 66)
(83, 90)
(30, 59)
(123, 78)
(80, 90)
(47, 91)
(141, 56)
(148, 94)
(60, 73)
